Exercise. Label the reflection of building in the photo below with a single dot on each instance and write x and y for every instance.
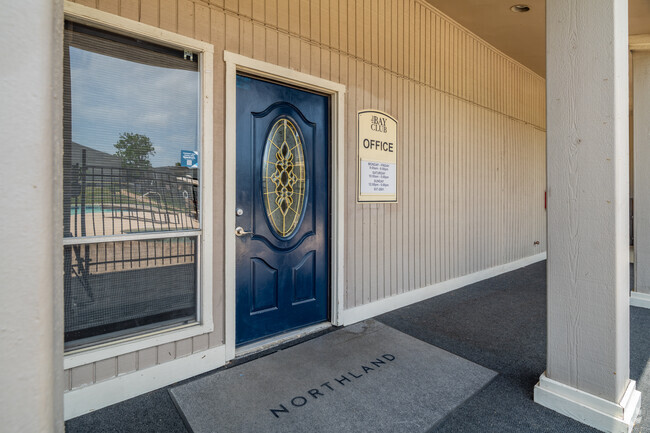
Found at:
(478, 148)
(94, 157)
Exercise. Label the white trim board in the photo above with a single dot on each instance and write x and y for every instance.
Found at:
(99, 395)
(589, 409)
(237, 63)
(363, 312)
(107, 21)
(638, 299)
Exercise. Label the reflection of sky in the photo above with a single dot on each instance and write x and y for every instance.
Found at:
(111, 96)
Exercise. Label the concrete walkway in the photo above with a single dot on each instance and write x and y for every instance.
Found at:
(499, 323)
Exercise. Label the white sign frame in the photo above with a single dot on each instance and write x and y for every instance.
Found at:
(383, 149)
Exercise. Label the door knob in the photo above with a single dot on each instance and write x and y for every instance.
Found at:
(241, 232)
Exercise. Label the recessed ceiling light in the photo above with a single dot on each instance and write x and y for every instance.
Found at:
(520, 8)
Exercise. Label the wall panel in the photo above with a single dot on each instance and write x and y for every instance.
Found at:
(471, 138)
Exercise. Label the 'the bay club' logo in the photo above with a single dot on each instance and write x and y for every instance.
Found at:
(378, 124)
(331, 386)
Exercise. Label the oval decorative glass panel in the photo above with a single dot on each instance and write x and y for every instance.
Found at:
(283, 174)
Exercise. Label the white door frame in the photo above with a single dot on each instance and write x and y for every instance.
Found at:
(238, 63)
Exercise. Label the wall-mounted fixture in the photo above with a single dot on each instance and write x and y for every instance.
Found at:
(520, 8)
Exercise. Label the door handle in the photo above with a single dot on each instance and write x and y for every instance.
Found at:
(241, 232)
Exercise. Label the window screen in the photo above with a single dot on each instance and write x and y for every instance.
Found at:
(131, 202)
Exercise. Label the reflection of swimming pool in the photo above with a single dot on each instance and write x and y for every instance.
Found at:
(74, 210)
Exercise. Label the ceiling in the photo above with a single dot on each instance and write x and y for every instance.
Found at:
(522, 35)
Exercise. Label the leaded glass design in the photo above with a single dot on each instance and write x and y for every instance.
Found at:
(283, 171)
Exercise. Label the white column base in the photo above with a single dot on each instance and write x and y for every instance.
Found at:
(638, 299)
(594, 411)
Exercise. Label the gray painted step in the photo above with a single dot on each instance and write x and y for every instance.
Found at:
(367, 377)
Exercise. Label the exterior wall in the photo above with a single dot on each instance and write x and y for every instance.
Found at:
(31, 294)
(472, 139)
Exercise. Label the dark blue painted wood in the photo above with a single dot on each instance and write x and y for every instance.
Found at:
(282, 283)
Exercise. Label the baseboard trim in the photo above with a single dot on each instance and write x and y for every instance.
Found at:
(588, 409)
(363, 312)
(638, 299)
(99, 395)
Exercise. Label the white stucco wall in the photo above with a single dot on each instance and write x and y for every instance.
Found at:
(31, 314)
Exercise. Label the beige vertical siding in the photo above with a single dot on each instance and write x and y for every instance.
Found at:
(472, 138)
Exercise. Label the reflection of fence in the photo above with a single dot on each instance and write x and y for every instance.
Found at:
(116, 283)
(111, 201)
(116, 286)
(115, 303)
(98, 258)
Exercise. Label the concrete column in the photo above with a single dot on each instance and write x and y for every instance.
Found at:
(31, 313)
(587, 376)
(641, 83)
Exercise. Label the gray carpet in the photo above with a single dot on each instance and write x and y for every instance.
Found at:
(500, 324)
(366, 377)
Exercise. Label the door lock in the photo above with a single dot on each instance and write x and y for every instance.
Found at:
(241, 232)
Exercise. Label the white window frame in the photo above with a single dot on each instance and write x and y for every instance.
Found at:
(204, 324)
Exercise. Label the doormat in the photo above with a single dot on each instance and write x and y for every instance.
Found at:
(367, 377)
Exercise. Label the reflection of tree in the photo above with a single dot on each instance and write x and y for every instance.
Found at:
(134, 150)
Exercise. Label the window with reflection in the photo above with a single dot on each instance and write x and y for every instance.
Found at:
(131, 202)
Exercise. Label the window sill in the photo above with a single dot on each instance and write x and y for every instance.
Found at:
(133, 344)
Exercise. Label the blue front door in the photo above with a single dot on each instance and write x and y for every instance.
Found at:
(282, 209)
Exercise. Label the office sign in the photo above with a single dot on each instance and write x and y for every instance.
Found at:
(377, 152)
